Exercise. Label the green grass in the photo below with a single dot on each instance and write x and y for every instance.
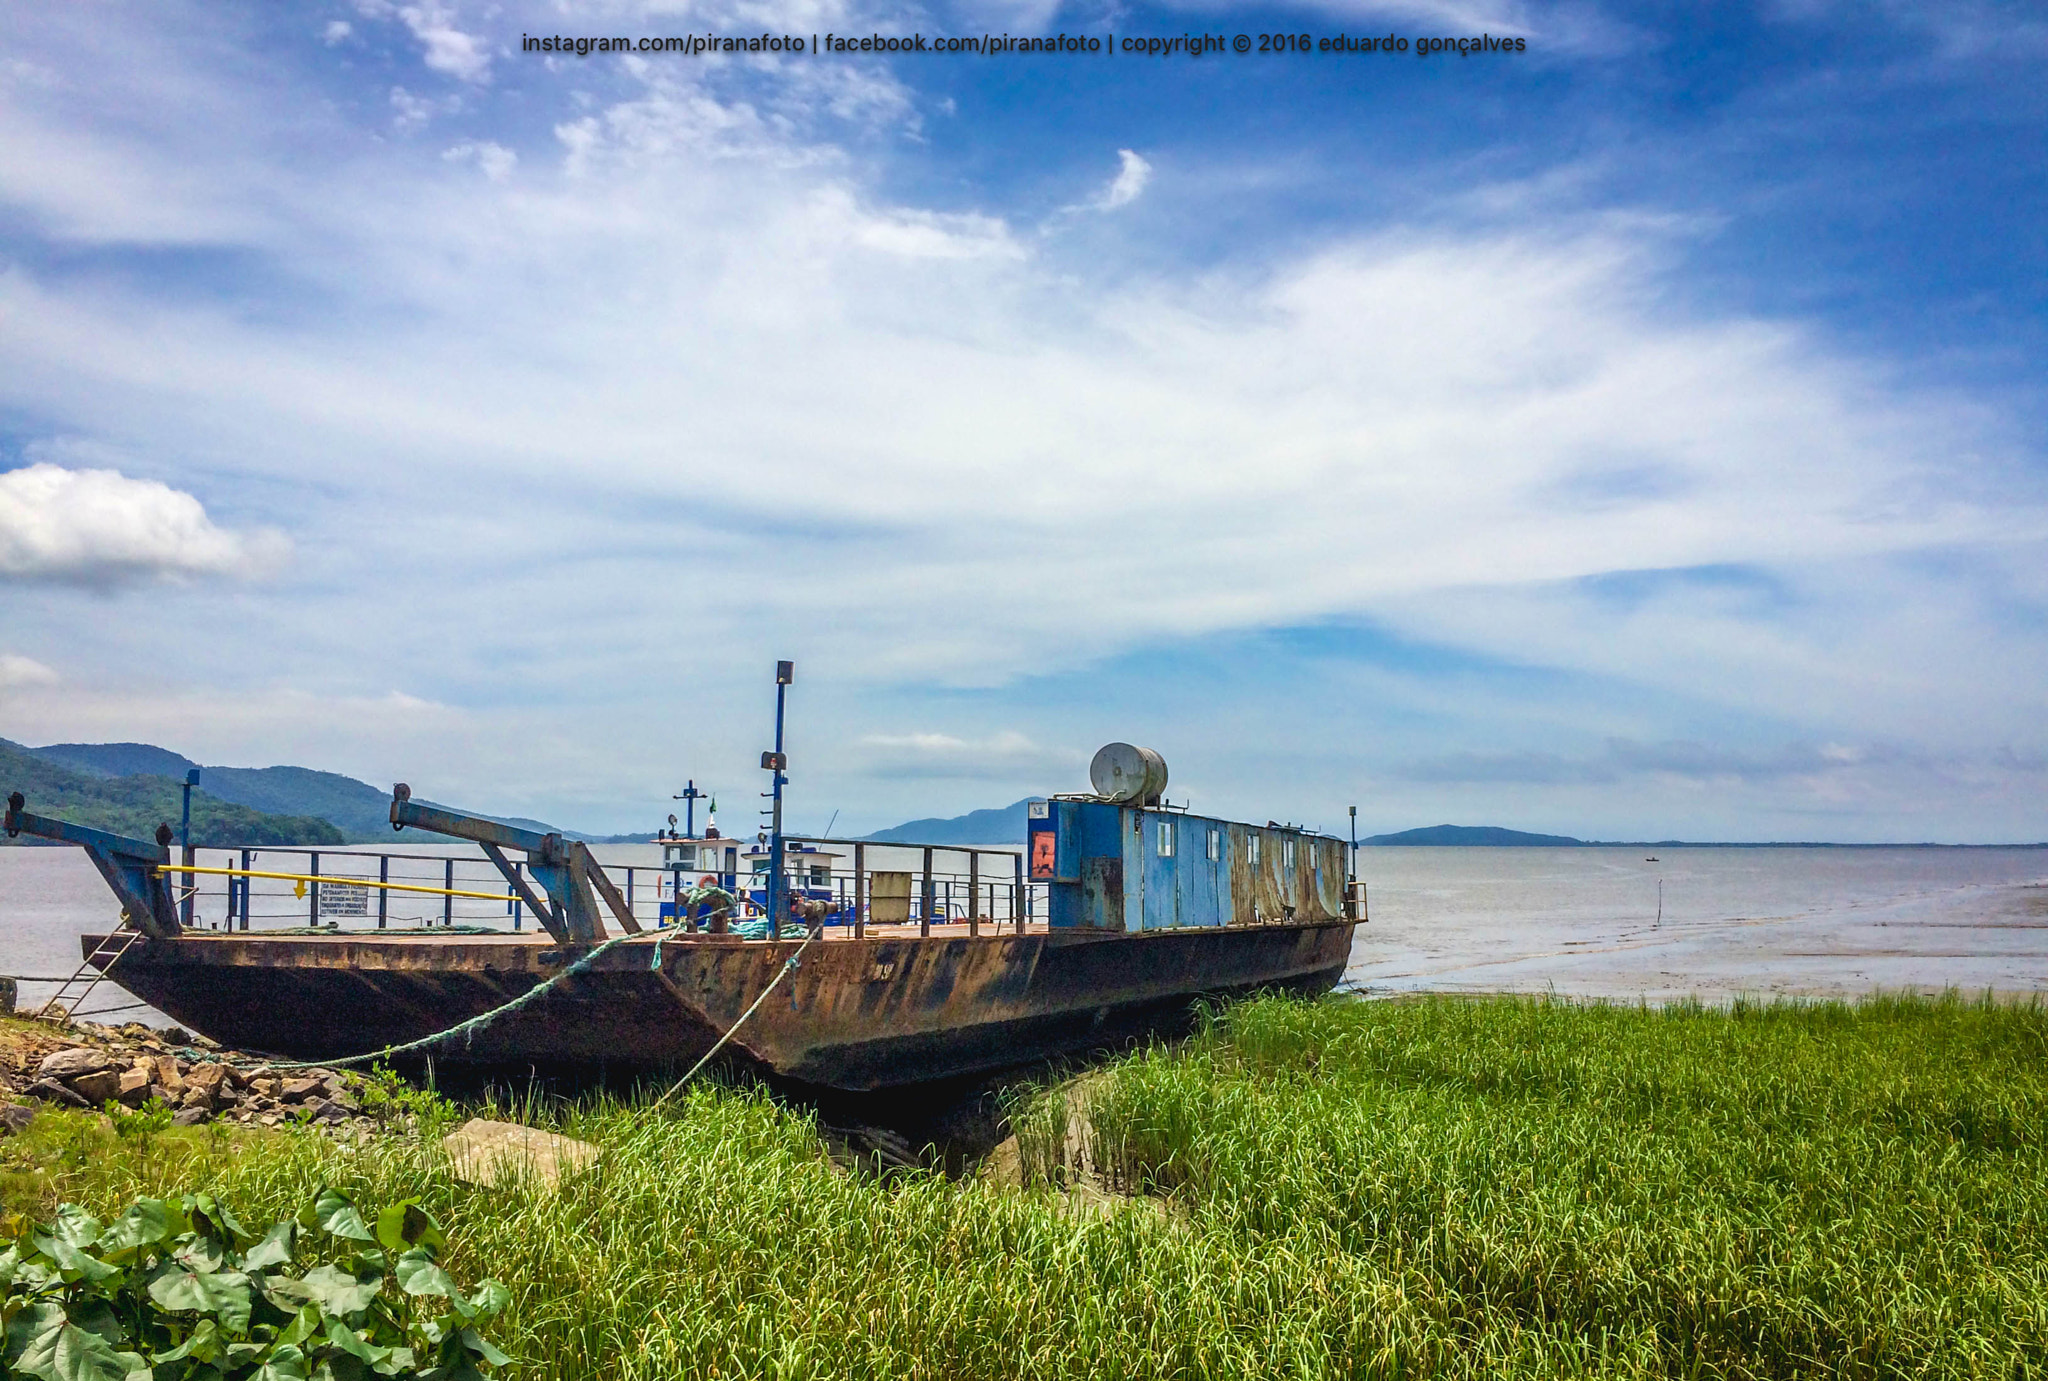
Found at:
(1480, 1189)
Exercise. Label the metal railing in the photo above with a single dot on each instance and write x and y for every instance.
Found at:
(280, 888)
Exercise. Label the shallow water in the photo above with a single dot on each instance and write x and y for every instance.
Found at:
(1810, 922)
(1585, 921)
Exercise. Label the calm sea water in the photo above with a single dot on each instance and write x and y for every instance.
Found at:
(1585, 921)
(1616, 923)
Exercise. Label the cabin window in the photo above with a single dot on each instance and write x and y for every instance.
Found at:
(821, 875)
(1287, 853)
(1254, 853)
(1215, 845)
(1166, 838)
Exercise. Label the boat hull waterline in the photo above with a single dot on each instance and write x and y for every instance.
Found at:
(856, 1013)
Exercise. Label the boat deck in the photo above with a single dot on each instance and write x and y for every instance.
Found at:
(911, 930)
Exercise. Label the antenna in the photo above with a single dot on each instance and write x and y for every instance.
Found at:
(689, 796)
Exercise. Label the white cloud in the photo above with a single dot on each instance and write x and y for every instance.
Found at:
(17, 671)
(1003, 755)
(494, 160)
(415, 112)
(336, 31)
(1129, 182)
(102, 529)
(449, 49)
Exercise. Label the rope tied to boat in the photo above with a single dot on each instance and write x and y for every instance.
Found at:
(476, 1023)
(780, 974)
(464, 1028)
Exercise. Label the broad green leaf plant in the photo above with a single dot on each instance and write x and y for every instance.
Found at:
(177, 1290)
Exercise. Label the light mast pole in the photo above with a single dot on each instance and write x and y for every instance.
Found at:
(777, 764)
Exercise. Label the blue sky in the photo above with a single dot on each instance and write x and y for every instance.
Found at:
(1641, 435)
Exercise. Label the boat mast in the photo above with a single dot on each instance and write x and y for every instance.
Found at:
(690, 796)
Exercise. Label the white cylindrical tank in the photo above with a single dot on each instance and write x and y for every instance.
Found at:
(1124, 772)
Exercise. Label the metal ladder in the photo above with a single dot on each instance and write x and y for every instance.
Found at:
(111, 947)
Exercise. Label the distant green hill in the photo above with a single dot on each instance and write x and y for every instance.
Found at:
(1467, 836)
(135, 804)
(360, 811)
(118, 759)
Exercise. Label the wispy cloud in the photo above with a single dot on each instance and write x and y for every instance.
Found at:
(1129, 183)
(16, 671)
(1003, 756)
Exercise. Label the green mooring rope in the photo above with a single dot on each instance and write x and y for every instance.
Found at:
(468, 1027)
(476, 1023)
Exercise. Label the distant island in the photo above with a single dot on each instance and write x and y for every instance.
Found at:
(1483, 836)
(1007, 826)
(1469, 836)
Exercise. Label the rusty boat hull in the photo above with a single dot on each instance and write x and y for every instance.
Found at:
(856, 1014)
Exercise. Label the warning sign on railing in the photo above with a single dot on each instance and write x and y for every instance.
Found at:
(344, 899)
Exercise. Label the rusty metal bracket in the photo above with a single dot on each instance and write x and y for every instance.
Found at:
(131, 867)
(545, 913)
(606, 888)
(564, 868)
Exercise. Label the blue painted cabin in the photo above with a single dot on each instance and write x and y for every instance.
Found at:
(1111, 866)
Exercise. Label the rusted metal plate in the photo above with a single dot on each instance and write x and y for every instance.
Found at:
(855, 1014)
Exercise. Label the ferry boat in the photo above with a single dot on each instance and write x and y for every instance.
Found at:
(1114, 913)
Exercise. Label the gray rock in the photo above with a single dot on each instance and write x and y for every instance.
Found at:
(98, 1087)
(15, 1117)
(69, 1064)
(209, 1076)
(50, 1091)
(190, 1117)
(135, 1088)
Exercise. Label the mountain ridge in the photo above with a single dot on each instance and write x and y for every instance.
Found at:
(1004, 825)
(360, 811)
(135, 803)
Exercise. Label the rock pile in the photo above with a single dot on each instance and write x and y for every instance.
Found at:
(133, 1066)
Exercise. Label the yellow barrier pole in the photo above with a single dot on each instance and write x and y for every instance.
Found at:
(330, 878)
